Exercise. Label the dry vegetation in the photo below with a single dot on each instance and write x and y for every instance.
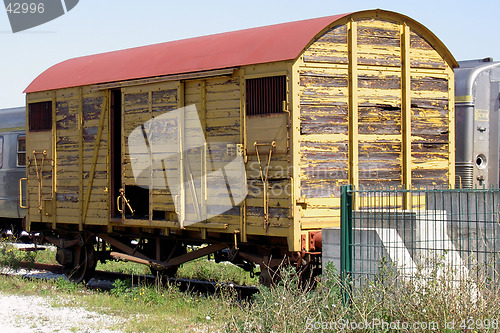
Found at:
(434, 300)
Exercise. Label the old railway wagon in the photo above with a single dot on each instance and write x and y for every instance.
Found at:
(239, 140)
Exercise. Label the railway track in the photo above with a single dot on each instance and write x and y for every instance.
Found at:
(103, 280)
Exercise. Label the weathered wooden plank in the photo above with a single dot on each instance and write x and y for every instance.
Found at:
(168, 96)
(131, 100)
(217, 105)
(321, 188)
(378, 43)
(311, 212)
(274, 212)
(316, 95)
(379, 119)
(422, 54)
(223, 122)
(331, 47)
(429, 83)
(67, 197)
(223, 113)
(96, 221)
(319, 119)
(222, 94)
(323, 80)
(434, 177)
(379, 162)
(278, 189)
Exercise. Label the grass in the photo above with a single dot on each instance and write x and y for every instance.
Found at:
(432, 297)
(209, 270)
(143, 308)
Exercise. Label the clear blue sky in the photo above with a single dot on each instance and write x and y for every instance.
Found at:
(469, 29)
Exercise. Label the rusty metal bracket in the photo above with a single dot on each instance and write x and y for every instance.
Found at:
(264, 177)
(121, 198)
(176, 261)
(39, 175)
(123, 247)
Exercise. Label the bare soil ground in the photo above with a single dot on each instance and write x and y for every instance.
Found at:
(38, 314)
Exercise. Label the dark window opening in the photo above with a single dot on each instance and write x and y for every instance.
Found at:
(40, 116)
(21, 151)
(1, 152)
(265, 95)
(116, 148)
(139, 200)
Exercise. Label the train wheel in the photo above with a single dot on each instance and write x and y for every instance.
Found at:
(83, 264)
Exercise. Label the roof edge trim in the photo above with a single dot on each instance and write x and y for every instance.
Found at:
(429, 36)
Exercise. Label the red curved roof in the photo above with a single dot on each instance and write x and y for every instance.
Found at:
(231, 49)
(245, 47)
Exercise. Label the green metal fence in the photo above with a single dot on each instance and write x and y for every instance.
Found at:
(416, 230)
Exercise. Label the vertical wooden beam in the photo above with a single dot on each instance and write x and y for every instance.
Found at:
(352, 46)
(182, 195)
(243, 140)
(109, 161)
(54, 160)
(203, 104)
(451, 126)
(95, 157)
(204, 179)
(406, 112)
(294, 236)
(80, 157)
(123, 146)
(151, 180)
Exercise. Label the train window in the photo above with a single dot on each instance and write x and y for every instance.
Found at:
(21, 151)
(1, 152)
(40, 116)
(265, 95)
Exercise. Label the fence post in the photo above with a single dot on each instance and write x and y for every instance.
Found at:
(346, 205)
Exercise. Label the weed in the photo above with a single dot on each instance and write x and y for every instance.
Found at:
(65, 285)
(439, 295)
(11, 257)
(209, 270)
(125, 267)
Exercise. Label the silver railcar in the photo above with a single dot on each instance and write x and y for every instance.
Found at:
(477, 91)
(12, 165)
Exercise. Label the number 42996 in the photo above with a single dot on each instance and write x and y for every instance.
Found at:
(471, 324)
(25, 8)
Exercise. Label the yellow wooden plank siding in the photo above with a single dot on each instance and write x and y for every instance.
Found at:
(77, 199)
(217, 101)
(82, 177)
(386, 147)
(69, 198)
(95, 150)
(62, 195)
(221, 99)
(369, 101)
